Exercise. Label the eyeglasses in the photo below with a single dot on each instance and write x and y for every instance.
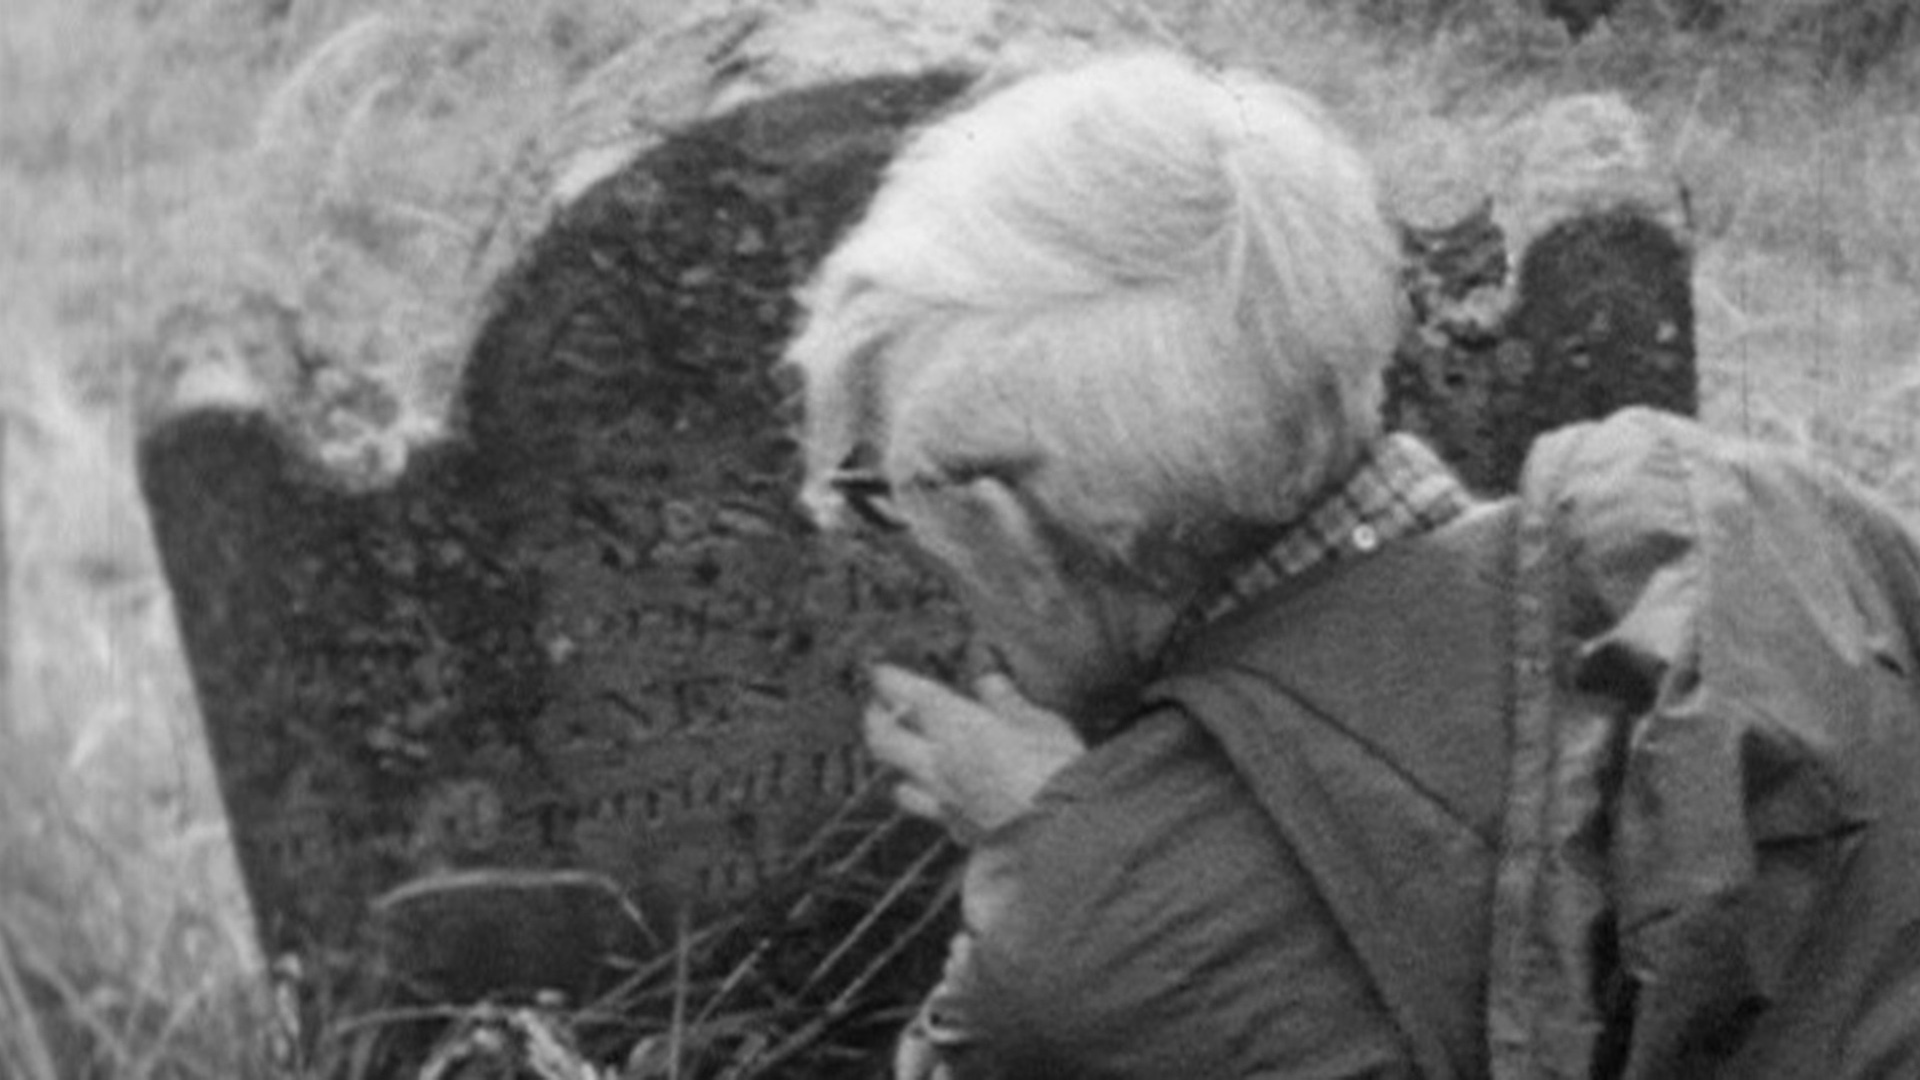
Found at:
(870, 496)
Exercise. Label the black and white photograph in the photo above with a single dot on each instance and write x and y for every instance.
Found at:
(960, 540)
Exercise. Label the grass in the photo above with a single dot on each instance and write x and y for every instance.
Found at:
(133, 174)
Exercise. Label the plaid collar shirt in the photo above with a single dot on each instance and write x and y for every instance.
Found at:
(1400, 489)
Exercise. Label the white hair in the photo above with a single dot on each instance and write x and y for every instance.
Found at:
(1159, 297)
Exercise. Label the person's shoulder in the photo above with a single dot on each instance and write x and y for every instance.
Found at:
(1642, 473)
(1640, 450)
(1642, 490)
(1615, 497)
(1632, 448)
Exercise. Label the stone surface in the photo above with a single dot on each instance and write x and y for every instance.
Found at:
(1598, 315)
(722, 55)
(1580, 154)
(547, 932)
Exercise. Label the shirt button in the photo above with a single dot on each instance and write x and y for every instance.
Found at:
(1365, 539)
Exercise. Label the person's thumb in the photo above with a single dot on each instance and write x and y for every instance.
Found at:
(906, 690)
(997, 692)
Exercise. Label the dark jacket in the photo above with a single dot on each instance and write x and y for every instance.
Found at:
(1711, 862)
(1617, 778)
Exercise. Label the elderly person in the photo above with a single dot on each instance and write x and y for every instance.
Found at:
(1301, 761)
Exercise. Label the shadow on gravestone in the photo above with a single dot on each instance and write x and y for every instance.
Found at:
(585, 666)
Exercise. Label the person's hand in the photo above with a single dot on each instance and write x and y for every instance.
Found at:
(939, 1036)
(915, 1058)
(973, 765)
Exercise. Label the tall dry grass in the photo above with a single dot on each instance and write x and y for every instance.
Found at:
(141, 166)
(134, 172)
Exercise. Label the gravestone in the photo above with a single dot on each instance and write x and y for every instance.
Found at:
(1598, 315)
(595, 631)
(1553, 286)
(584, 665)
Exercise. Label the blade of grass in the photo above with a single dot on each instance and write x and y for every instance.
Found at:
(75, 1004)
(26, 1045)
(676, 1035)
(807, 900)
(164, 1052)
(934, 910)
(900, 887)
(835, 1010)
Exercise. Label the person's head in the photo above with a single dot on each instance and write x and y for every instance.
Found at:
(1096, 332)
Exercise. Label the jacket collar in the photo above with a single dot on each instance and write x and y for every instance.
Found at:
(1400, 488)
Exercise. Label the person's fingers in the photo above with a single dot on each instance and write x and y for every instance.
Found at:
(913, 799)
(893, 696)
(929, 709)
(894, 742)
(915, 1057)
(908, 690)
(970, 764)
(998, 693)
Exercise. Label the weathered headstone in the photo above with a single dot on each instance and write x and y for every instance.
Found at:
(595, 631)
(1562, 294)
(590, 639)
(1600, 317)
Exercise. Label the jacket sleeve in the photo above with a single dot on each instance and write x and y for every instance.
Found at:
(1717, 623)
